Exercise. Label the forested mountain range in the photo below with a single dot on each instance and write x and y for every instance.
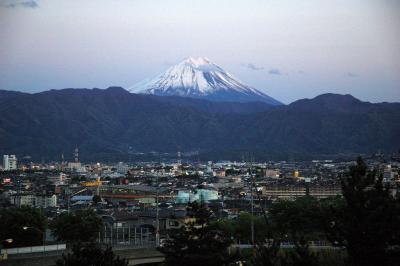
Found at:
(113, 124)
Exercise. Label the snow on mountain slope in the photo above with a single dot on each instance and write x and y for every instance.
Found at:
(201, 78)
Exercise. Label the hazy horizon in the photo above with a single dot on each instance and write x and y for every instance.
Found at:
(289, 50)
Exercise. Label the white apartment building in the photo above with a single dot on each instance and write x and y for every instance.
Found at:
(9, 162)
(42, 201)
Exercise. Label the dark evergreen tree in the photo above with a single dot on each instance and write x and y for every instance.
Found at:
(368, 223)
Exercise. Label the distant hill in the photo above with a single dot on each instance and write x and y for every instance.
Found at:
(216, 107)
(8, 94)
(113, 123)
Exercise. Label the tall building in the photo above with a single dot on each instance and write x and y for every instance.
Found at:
(122, 168)
(9, 162)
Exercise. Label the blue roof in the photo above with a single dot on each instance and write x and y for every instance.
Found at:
(82, 198)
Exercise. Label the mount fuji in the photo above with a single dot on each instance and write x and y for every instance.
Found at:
(201, 78)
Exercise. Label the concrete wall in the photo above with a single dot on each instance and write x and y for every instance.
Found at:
(33, 249)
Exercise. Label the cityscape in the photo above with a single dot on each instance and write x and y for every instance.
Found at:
(243, 133)
(141, 204)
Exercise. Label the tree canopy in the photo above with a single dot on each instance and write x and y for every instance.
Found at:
(14, 220)
(198, 242)
(90, 254)
(82, 225)
(368, 223)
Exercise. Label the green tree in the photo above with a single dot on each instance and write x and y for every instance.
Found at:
(13, 221)
(96, 199)
(90, 254)
(368, 223)
(302, 218)
(198, 243)
(78, 226)
(240, 230)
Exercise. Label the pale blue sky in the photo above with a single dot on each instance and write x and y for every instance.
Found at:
(288, 49)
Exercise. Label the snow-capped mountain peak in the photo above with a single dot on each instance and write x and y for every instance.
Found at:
(196, 62)
(200, 78)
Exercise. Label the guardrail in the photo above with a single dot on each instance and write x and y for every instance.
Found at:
(34, 249)
(284, 245)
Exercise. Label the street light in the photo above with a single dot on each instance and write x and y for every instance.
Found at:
(8, 241)
(25, 228)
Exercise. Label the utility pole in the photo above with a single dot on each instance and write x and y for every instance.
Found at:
(252, 201)
(68, 194)
(222, 205)
(157, 217)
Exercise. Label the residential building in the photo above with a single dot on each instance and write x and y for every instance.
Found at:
(9, 162)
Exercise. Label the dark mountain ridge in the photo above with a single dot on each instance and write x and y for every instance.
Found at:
(112, 123)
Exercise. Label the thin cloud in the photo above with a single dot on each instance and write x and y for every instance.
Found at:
(274, 71)
(15, 4)
(252, 66)
(351, 75)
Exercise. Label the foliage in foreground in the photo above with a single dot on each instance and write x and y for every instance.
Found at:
(365, 221)
(198, 243)
(368, 223)
(90, 255)
(13, 221)
(273, 255)
(80, 226)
